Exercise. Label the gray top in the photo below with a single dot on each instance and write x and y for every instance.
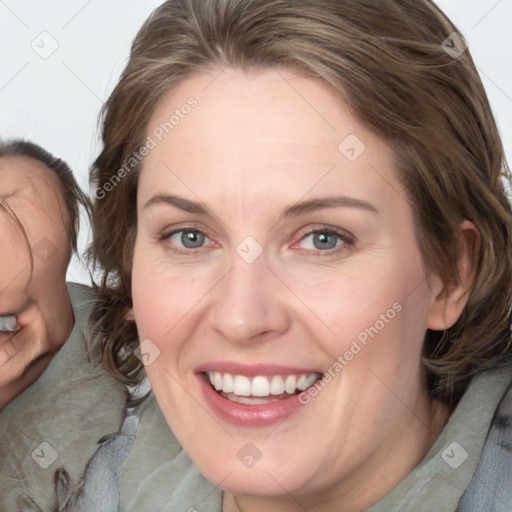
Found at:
(158, 475)
(491, 486)
(439, 481)
(57, 421)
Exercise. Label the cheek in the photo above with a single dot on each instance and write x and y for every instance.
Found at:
(379, 315)
(344, 302)
(151, 301)
(164, 297)
(14, 251)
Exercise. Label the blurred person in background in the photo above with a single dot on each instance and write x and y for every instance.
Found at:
(56, 401)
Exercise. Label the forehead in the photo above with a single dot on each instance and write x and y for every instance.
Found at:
(21, 172)
(28, 185)
(259, 136)
(258, 106)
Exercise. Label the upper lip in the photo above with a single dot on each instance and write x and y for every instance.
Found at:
(253, 370)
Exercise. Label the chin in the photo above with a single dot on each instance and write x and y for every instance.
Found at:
(262, 479)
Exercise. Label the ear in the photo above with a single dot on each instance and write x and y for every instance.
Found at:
(449, 300)
(129, 315)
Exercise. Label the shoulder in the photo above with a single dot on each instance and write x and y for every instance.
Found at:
(81, 295)
(158, 474)
(58, 421)
(491, 486)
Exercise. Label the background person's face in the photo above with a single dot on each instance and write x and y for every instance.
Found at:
(33, 262)
(254, 146)
(15, 276)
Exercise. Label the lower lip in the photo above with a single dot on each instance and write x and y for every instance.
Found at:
(260, 415)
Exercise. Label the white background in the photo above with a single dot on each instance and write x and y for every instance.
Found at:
(55, 101)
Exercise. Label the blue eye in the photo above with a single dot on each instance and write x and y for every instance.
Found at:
(187, 238)
(190, 239)
(326, 240)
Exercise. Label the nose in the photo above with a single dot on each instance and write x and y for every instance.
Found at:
(249, 304)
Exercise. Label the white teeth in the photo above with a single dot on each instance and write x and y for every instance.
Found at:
(228, 386)
(277, 385)
(305, 381)
(8, 323)
(217, 381)
(261, 386)
(241, 386)
(290, 384)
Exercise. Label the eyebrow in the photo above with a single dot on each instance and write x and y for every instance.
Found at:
(295, 210)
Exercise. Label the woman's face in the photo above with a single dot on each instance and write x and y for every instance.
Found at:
(275, 245)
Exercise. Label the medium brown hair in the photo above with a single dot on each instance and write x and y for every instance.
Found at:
(387, 61)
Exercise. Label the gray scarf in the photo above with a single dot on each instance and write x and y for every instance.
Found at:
(490, 489)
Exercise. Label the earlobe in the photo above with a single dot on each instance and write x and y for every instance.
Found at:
(129, 315)
(449, 302)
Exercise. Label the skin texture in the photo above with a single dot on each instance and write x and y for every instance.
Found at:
(256, 144)
(35, 291)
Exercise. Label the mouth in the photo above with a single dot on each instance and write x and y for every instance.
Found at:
(260, 389)
(257, 395)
